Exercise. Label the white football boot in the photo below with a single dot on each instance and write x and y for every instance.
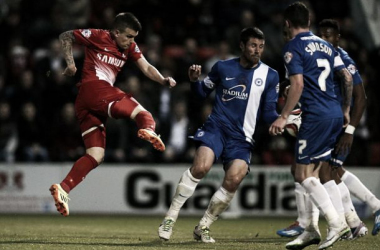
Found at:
(165, 230)
(61, 199)
(334, 234)
(203, 234)
(307, 238)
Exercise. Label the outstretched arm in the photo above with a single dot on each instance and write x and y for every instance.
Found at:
(202, 89)
(294, 94)
(345, 142)
(67, 39)
(346, 79)
(152, 73)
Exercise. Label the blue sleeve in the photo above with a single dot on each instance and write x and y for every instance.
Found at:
(270, 98)
(350, 65)
(200, 89)
(292, 59)
(269, 113)
(204, 88)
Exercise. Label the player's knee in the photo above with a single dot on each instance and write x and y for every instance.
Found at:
(232, 184)
(299, 177)
(199, 171)
(97, 153)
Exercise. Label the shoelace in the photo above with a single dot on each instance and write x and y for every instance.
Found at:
(205, 231)
(168, 224)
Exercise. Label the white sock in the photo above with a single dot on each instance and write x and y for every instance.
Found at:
(301, 209)
(218, 203)
(185, 190)
(352, 217)
(357, 188)
(322, 200)
(312, 213)
(335, 197)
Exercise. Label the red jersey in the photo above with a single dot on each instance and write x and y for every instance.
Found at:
(103, 59)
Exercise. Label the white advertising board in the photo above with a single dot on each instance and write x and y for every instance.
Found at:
(148, 189)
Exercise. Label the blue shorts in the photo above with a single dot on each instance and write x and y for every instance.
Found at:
(337, 160)
(223, 145)
(316, 140)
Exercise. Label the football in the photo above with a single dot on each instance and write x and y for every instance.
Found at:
(293, 123)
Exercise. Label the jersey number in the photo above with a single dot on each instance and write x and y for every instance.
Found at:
(323, 63)
(302, 146)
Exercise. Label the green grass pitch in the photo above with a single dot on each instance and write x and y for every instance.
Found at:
(84, 232)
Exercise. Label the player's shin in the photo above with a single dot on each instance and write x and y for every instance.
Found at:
(185, 190)
(335, 197)
(312, 214)
(78, 172)
(301, 205)
(322, 200)
(219, 203)
(352, 218)
(358, 189)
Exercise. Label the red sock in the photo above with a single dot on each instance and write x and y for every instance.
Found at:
(144, 119)
(78, 172)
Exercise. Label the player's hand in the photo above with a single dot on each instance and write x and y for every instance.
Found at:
(343, 147)
(277, 127)
(194, 72)
(70, 70)
(170, 82)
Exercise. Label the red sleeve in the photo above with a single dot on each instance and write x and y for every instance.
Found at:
(87, 37)
(134, 52)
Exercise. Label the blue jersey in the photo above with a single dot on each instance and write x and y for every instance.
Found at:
(241, 95)
(351, 66)
(316, 60)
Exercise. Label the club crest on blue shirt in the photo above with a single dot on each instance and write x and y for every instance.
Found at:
(259, 81)
(288, 57)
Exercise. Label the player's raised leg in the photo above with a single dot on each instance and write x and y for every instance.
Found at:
(128, 107)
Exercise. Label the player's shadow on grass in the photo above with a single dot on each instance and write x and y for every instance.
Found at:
(153, 243)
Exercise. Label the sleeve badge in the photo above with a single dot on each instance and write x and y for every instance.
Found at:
(86, 33)
(288, 57)
(352, 69)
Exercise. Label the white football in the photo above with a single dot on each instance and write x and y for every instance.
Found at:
(293, 123)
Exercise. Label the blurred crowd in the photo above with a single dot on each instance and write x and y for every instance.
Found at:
(37, 117)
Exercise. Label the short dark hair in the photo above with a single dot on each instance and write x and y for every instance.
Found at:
(298, 14)
(330, 23)
(254, 32)
(126, 20)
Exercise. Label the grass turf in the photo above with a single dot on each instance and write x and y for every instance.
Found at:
(84, 232)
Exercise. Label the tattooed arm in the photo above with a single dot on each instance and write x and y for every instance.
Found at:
(67, 38)
(346, 80)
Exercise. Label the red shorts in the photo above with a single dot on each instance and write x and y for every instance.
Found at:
(92, 109)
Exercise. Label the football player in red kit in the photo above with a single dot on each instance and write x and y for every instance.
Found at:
(105, 54)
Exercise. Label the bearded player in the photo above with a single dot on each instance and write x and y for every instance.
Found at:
(106, 52)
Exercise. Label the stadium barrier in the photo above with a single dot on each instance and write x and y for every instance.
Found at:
(148, 189)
